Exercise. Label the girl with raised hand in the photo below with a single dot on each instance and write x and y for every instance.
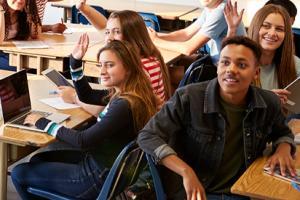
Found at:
(271, 28)
(129, 26)
(18, 20)
(129, 102)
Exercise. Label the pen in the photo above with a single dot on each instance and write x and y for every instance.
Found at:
(62, 21)
(296, 186)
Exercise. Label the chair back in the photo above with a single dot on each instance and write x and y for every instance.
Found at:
(202, 69)
(151, 20)
(125, 172)
(296, 32)
(78, 18)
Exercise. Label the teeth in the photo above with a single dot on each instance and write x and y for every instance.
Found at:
(231, 80)
(270, 40)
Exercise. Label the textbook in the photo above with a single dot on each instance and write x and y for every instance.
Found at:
(288, 177)
(293, 102)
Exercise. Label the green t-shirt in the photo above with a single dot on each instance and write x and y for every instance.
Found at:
(233, 159)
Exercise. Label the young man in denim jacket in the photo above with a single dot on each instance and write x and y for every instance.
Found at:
(220, 127)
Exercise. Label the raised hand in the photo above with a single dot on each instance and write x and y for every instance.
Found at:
(232, 17)
(81, 47)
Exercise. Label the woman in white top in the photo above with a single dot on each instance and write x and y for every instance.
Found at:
(271, 28)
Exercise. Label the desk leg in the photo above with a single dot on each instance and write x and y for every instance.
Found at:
(3, 170)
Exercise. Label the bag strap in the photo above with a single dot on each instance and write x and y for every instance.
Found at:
(160, 194)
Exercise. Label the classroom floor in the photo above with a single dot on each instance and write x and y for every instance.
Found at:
(11, 192)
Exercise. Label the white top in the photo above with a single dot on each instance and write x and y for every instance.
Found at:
(268, 76)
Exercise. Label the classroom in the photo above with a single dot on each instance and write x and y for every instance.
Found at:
(149, 99)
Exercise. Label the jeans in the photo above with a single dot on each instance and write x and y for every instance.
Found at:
(4, 62)
(225, 197)
(82, 180)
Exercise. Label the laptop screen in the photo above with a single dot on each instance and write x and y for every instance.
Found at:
(14, 95)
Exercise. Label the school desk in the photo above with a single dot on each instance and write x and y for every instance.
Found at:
(61, 46)
(259, 185)
(166, 11)
(56, 56)
(39, 88)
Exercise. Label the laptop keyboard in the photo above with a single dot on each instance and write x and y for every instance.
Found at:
(20, 120)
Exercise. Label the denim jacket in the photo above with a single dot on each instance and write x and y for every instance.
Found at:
(191, 124)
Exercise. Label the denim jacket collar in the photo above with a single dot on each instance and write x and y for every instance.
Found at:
(211, 103)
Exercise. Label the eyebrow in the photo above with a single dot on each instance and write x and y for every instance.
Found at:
(269, 23)
(239, 59)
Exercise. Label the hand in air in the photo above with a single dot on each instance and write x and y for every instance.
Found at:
(81, 47)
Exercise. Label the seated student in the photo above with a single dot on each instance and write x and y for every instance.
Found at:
(129, 26)
(18, 20)
(55, 28)
(220, 127)
(209, 29)
(271, 28)
(130, 102)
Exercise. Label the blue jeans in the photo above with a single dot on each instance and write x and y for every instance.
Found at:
(225, 197)
(4, 62)
(82, 180)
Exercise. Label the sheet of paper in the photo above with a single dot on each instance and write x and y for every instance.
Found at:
(58, 103)
(31, 44)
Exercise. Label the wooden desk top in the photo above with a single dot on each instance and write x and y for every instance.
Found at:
(39, 88)
(167, 11)
(257, 184)
(61, 45)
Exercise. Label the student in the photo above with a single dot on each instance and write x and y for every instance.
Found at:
(19, 20)
(129, 26)
(271, 28)
(210, 28)
(292, 10)
(55, 28)
(220, 127)
(130, 103)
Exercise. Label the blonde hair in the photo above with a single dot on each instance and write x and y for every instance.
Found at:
(137, 89)
(284, 55)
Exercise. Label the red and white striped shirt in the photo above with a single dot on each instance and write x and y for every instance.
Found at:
(153, 70)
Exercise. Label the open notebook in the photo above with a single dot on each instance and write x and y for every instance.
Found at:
(16, 105)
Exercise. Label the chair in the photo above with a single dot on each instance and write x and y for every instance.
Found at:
(151, 20)
(78, 18)
(123, 173)
(296, 32)
(201, 70)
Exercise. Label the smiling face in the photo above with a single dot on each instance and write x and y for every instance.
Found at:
(113, 73)
(16, 4)
(272, 32)
(113, 30)
(236, 70)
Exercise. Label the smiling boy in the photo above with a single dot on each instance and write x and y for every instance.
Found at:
(221, 125)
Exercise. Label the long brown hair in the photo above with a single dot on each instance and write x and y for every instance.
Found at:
(28, 20)
(135, 32)
(284, 55)
(137, 89)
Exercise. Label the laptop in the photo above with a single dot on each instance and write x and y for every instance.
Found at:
(293, 103)
(15, 102)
